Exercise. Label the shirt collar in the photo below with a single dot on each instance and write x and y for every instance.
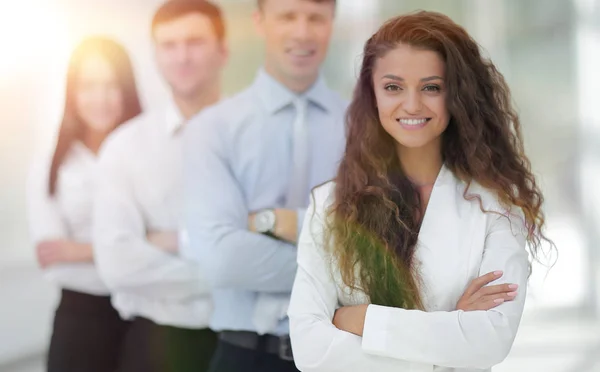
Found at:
(173, 117)
(80, 151)
(276, 96)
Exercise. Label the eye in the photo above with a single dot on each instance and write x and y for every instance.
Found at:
(392, 87)
(432, 88)
(316, 18)
(196, 41)
(288, 17)
(167, 45)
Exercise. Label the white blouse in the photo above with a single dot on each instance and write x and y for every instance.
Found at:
(67, 215)
(457, 243)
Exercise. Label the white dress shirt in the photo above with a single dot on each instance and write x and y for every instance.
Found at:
(140, 190)
(66, 215)
(457, 243)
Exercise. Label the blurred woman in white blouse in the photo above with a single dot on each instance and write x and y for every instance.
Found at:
(414, 258)
(101, 94)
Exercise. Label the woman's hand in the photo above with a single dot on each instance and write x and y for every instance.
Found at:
(479, 297)
(168, 241)
(476, 297)
(51, 252)
(351, 319)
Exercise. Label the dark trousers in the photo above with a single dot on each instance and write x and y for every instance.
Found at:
(86, 335)
(149, 347)
(231, 358)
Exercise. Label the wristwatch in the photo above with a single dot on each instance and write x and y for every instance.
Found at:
(264, 221)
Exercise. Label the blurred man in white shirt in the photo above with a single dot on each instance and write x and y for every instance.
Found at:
(138, 203)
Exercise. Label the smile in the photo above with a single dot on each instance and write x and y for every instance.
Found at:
(301, 52)
(413, 122)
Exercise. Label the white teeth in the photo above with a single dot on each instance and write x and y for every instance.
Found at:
(412, 121)
(300, 52)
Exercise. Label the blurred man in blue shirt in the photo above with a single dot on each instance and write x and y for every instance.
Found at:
(249, 165)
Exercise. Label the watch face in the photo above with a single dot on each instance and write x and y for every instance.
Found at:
(264, 221)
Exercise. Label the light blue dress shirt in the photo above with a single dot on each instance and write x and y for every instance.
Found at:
(238, 160)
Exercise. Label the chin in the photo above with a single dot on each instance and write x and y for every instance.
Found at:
(102, 128)
(302, 72)
(410, 145)
(415, 143)
(185, 89)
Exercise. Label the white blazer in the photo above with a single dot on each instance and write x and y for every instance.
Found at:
(457, 243)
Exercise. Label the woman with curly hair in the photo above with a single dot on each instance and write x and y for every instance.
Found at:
(414, 258)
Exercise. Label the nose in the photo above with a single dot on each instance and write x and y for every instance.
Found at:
(412, 103)
(99, 96)
(302, 29)
(181, 52)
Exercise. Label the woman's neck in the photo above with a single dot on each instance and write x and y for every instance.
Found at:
(421, 165)
(93, 140)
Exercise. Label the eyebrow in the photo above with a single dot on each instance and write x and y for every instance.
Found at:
(398, 78)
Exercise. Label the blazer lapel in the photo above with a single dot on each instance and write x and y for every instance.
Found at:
(444, 243)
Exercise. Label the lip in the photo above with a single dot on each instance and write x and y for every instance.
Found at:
(413, 123)
(305, 55)
(185, 72)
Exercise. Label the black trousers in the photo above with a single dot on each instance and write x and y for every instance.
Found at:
(231, 358)
(86, 335)
(149, 347)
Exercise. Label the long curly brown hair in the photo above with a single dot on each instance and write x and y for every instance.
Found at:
(374, 220)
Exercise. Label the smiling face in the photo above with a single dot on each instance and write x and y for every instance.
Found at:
(297, 34)
(411, 96)
(189, 53)
(98, 96)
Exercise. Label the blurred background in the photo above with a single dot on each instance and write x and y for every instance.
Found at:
(549, 51)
